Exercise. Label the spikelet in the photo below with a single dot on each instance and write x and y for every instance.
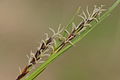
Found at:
(48, 45)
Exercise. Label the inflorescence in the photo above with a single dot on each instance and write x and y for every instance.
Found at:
(48, 46)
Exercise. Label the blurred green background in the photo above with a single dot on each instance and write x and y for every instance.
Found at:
(23, 23)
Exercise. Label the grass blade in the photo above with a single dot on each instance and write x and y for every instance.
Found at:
(33, 75)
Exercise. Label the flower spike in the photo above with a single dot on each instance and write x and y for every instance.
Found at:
(57, 41)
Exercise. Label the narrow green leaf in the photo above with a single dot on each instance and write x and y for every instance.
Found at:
(55, 55)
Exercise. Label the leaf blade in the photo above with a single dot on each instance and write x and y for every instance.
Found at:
(55, 55)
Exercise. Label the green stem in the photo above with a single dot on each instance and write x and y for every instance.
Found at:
(55, 55)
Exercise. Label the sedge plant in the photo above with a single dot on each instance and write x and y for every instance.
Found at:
(63, 39)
